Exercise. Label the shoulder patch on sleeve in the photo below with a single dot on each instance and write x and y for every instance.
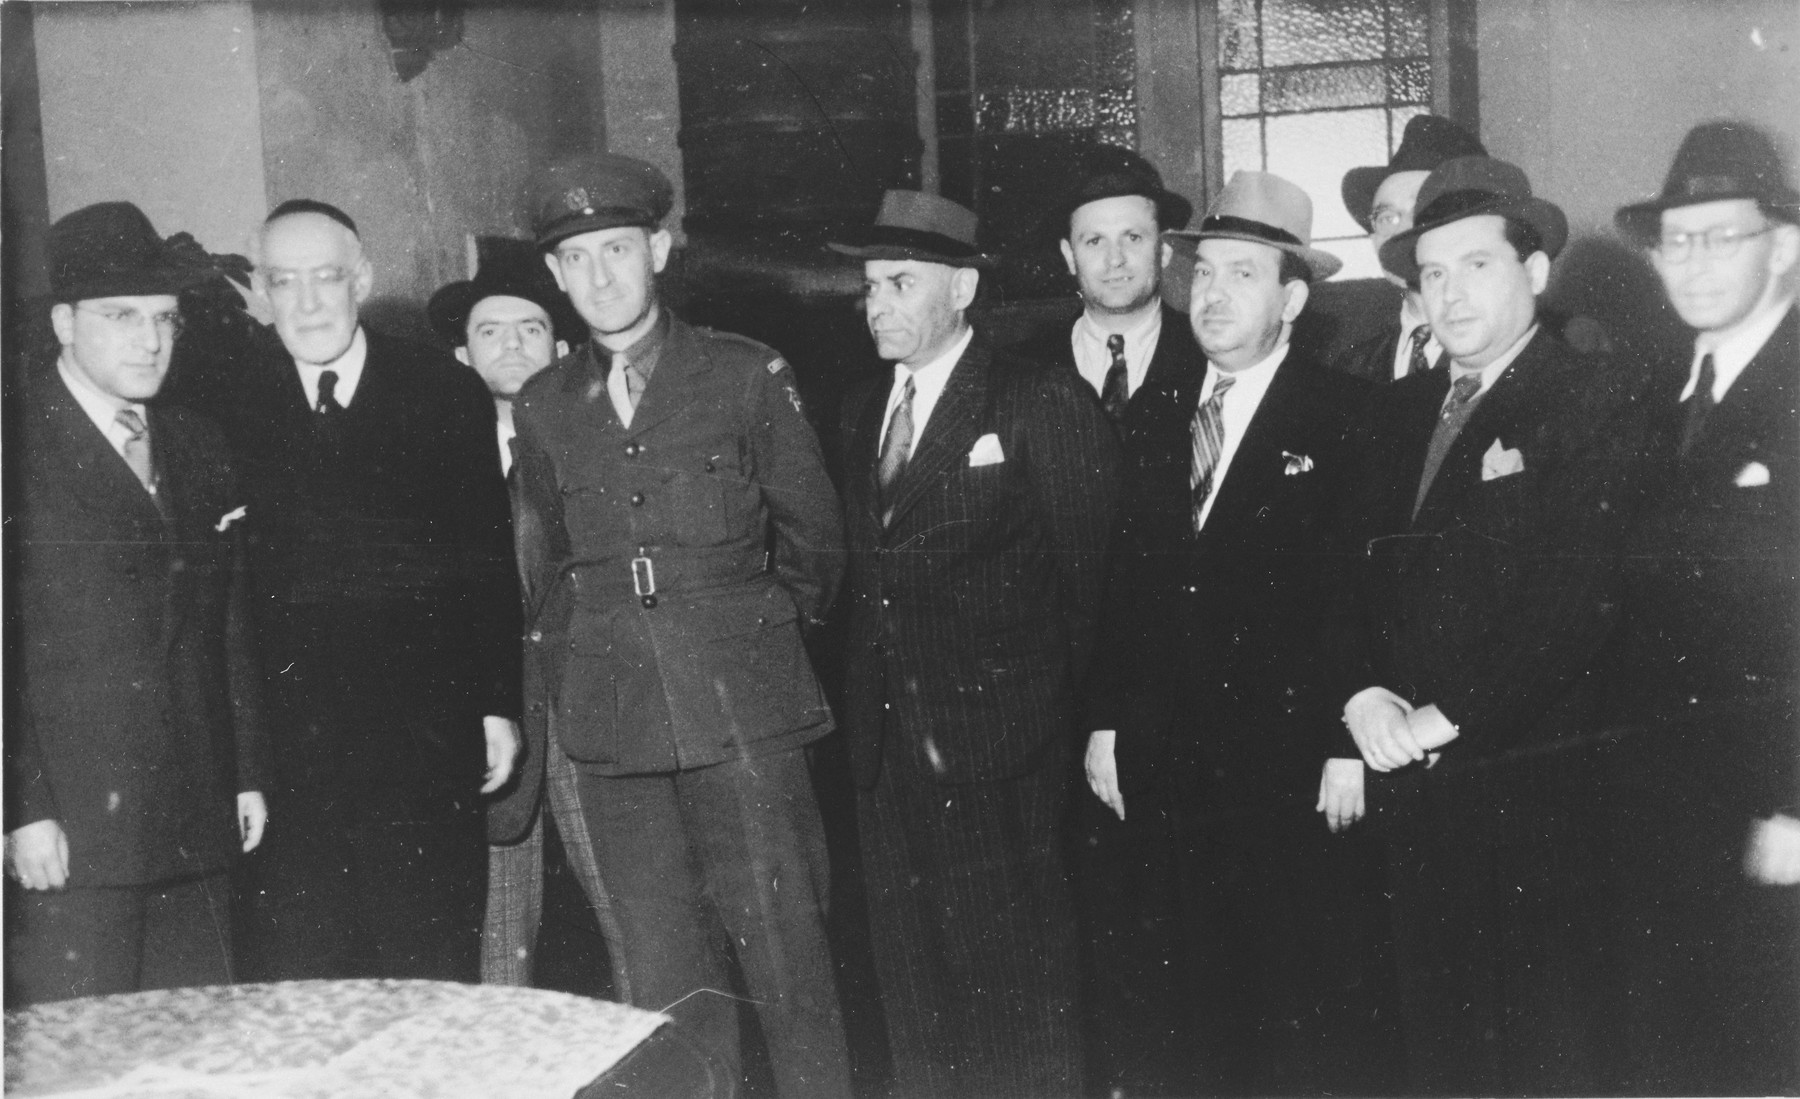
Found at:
(776, 364)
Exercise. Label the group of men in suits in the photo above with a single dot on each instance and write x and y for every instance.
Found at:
(1375, 680)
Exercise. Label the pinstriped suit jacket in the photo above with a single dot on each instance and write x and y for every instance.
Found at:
(973, 613)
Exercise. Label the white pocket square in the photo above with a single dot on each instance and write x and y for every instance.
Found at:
(1500, 462)
(229, 518)
(986, 451)
(1754, 475)
(1296, 464)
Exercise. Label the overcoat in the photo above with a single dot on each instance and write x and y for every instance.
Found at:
(135, 721)
(703, 535)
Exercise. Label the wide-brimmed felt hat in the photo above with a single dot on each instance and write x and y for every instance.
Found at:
(110, 250)
(606, 191)
(513, 269)
(919, 226)
(1266, 209)
(1469, 187)
(1717, 161)
(1113, 172)
(1427, 142)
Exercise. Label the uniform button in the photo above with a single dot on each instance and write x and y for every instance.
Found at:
(643, 551)
(761, 621)
(632, 449)
(709, 467)
(536, 636)
(649, 602)
(637, 499)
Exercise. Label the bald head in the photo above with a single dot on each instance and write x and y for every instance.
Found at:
(310, 266)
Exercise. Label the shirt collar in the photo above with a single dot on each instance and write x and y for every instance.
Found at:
(1733, 353)
(348, 367)
(102, 408)
(1136, 336)
(1250, 381)
(937, 371)
(1492, 371)
(647, 349)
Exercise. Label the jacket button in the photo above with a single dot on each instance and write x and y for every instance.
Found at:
(643, 551)
(710, 467)
(637, 499)
(632, 449)
(649, 602)
(761, 620)
(536, 636)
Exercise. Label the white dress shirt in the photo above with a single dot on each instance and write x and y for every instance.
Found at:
(102, 408)
(1093, 360)
(1411, 317)
(1732, 354)
(928, 385)
(349, 368)
(1235, 413)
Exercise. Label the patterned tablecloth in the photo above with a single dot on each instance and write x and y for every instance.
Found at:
(307, 1039)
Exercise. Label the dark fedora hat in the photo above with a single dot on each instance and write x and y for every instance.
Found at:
(1716, 161)
(1113, 172)
(1427, 142)
(1266, 209)
(589, 193)
(513, 269)
(110, 249)
(916, 225)
(1468, 187)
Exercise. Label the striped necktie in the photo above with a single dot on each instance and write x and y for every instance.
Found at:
(137, 447)
(1416, 362)
(896, 448)
(1115, 392)
(1209, 444)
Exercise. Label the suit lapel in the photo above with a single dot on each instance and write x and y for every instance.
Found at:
(1522, 384)
(1257, 463)
(1765, 392)
(102, 481)
(950, 432)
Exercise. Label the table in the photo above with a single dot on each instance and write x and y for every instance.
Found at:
(339, 1039)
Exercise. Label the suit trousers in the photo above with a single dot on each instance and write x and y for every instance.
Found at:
(515, 899)
(97, 941)
(734, 851)
(340, 899)
(974, 929)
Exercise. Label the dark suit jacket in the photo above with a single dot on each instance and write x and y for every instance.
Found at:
(388, 599)
(1372, 359)
(972, 614)
(1215, 662)
(135, 721)
(1493, 602)
(718, 484)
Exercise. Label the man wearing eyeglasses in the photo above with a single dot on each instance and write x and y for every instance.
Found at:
(1707, 672)
(388, 612)
(134, 750)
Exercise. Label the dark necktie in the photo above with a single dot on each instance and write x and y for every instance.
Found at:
(1115, 392)
(896, 448)
(1416, 362)
(328, 404)
(1699, 405)
(137, 447)
(1209, 444)
(1456, 412)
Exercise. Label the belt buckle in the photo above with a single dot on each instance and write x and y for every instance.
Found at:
(643, 576)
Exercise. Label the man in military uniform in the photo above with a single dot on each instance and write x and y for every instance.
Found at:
(689, 531)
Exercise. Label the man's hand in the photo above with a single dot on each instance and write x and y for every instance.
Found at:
(1103, 770)
(37, 854)
(253, 814)
(1341, 793)
(502, 750)
(1377, 720)
(1774, 855)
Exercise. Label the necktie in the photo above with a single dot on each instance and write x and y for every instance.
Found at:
(1455, 414)
(896, 448)
(137, 447)
(1115, 392)
(1699, 405)
(328, 404)
(1416, 362)
(1209, 444)
(634, 380)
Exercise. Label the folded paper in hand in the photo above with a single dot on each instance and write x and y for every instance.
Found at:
(986, 451)
(1499, 462)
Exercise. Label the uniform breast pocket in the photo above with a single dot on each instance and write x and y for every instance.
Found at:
(704, 488)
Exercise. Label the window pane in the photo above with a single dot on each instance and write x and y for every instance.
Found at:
(1315, 150)
(1240, 93)
(1315, 89)
(1238, 46)
(1307, 32)
(1409, 28)
(1243, 145)
(1409, 82)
